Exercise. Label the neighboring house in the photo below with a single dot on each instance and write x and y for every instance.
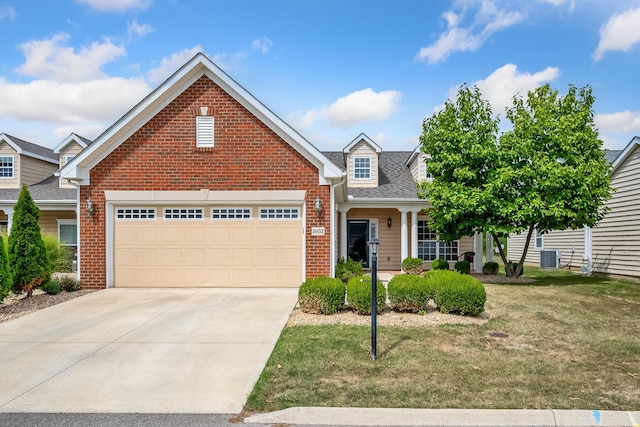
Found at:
(613, 246)
(200, 184)
(27, 163)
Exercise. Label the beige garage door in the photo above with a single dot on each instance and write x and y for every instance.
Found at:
(208, 246)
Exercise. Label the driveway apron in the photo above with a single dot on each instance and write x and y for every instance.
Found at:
(142, 351)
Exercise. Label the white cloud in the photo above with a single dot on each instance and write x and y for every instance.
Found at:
(62, 103)
(503, 84)
(620, 32)
(52, 59)
(621, 122)
(7, 12)
(137, 30)
(115, 5)
(487, 21)
(358, 107)
(168, 65)
(263, 44)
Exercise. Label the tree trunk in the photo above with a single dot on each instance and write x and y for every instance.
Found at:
(507, 266)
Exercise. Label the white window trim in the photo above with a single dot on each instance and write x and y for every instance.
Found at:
(438, 242)
(297, 210)
(537, 236)
(238, 210)
(67, 222)
(205, 131)
(133, 208)
(354, 168)
(13, 167)
(198, 213)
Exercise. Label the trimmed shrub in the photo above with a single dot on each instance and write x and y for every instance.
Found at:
(413, 265)
(462, 267)
(5, 272)
(490, 268)
(321, 295)
(359, 295)
(439, 264)
(408, 292)
(52, 287)
(69, 284)
(27, 255)
(458, 293)
(345, 270)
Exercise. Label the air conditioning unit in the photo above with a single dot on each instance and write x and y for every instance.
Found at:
(550, 258)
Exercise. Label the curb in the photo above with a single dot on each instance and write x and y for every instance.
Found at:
(448, 417)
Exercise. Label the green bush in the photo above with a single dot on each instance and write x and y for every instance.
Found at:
(59, 256)
(345, 270)
(5, 272)
(321, 295)
(69, 284)
(490, 267)
(359, 295)
(439, 264)
(413, 265)
(458, 293)
(408, 292)
(52, 287)
(462, 267)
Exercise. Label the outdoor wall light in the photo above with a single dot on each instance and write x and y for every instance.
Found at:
(90, 207)
(317, 205)
(389, 222)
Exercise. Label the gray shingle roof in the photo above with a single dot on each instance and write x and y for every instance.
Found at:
(394, 177)
(47, 189)
(612, 155)
(31, 148)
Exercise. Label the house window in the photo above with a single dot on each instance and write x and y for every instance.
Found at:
(230, 213)
(362, 168)
(68, 158)
(279, 213)
(183, 213)
(204, 131)
(68, 233)
(539, 240)
(136, 213)
(6, 167)
(429, 248)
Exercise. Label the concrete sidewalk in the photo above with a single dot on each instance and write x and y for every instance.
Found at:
(447, 417)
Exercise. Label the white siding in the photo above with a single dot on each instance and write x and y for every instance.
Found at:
(418, 168)
(570, 242)
(34, 170)
(71, 149)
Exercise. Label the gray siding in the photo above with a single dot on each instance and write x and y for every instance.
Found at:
(570, 242)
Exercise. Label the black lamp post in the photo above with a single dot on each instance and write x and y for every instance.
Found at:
(373, 244)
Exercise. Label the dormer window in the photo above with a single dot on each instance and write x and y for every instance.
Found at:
(6, 167)
(362, 167)
(204, 131)
(68, 158)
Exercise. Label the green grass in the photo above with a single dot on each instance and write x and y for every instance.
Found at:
(573, 343)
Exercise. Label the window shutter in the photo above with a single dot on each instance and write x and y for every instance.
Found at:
(204, 131)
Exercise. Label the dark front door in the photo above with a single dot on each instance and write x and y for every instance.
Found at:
(357, 238)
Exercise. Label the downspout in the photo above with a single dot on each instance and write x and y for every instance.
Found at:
(588, 251)
(332, 219)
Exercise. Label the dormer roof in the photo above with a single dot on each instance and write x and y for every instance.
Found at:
(26, 148)
(365, 138)
(73, 137)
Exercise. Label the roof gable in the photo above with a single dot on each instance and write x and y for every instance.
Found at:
(73, 137)
(79, 168)
(635, 141)
(366, 139)
(29, 149)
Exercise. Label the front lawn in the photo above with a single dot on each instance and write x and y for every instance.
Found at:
(563, 342)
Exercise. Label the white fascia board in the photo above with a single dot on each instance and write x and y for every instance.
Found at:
(400, 204)
(359, 138)
(68, 140)
(413, 156)
(625, 153)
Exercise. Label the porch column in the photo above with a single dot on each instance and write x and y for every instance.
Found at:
(343, 233)
(414, 234)
(477, 248)
(9, 212)
(489, 247)
(404, 236)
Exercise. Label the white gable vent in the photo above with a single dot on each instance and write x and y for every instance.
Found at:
(204, 131)
(550, 258)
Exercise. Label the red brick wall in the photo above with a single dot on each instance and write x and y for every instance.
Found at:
(162, 156)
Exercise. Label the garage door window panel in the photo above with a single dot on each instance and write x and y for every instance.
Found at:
(136, 213)
(279, 213)
(230, 213)
(184, 213)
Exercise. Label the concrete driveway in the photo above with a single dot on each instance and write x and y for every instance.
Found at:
(142, 351)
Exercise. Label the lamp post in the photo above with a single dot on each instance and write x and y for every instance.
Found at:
(373, 244)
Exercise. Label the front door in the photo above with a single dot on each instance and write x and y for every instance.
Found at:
(357, 238)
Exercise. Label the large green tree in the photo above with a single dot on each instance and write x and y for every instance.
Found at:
(28, 260)
(547, 173)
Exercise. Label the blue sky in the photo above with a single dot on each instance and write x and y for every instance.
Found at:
(332, 69)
